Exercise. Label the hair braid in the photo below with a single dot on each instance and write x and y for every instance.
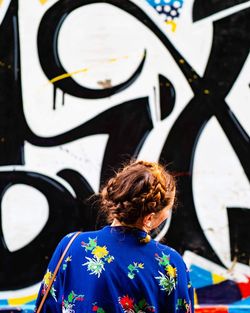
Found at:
(137, 190)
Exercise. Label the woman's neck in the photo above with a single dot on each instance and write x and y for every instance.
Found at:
(116, 222)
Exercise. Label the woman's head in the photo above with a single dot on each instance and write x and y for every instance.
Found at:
(138, 191)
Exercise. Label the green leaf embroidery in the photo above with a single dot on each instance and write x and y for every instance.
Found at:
(53, 292)
(142, 303)
(71, 296)
(134, 268)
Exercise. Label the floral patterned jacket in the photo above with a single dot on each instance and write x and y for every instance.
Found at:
(111, 271)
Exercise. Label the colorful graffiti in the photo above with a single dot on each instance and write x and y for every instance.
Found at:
(86, 85)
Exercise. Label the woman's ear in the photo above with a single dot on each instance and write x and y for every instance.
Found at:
(148, 220)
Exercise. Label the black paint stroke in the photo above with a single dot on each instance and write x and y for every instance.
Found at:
(167, 96)
(203, 9)
(83, 191)
(47, 39)
(25, 266)
(239, 221)
(224, 61)
(11, 130)
(126, 134)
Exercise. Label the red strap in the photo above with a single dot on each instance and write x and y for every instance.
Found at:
(55, 272)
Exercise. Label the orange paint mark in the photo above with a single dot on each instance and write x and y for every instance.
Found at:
(66, 75)
(212, 309)
(172, 24)
(43, 1)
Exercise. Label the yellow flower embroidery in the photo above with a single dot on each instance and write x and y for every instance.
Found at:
(141, 265)
(100, 252)
(47, 278)
(171, 271)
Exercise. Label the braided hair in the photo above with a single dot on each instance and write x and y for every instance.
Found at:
(136, 190)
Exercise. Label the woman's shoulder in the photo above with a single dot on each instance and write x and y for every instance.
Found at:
(82, 237)
(168, 253)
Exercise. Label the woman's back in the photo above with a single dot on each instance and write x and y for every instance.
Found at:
(110, 270)
(119, 268)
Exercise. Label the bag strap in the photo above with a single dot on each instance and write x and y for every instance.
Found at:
(55, 272)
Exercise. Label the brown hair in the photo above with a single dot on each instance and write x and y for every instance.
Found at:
(137, 190)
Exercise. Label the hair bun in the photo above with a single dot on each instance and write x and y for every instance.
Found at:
(137, 190)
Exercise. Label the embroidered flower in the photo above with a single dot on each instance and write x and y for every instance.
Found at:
(134, 268)
(53, 292)
(90, 245)
(95, 266)
(166, 283)
(100, 252)
(183, 305)
(68, 305)
(68, 308)
(129, 306)
(47, 278)
(171, 271)
(46, 281)
(143, 306)
(97, 309)
(167, 280)
(126, 302)
(68, 259)
(109, 258)
(101, 255)
(163, 260)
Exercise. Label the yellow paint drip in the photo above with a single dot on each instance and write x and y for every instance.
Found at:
(1, 2)
(172, 24)
(43, 1)
(66, 75)
(22, 300)
(217, 278)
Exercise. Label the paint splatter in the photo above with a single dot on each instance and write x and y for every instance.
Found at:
(43, 1)
(105, 83)
(169, 10)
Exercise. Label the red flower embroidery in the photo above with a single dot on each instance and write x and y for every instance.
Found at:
(126, 302)
(95, 308)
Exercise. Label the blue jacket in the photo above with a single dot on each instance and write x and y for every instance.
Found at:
(111, 271)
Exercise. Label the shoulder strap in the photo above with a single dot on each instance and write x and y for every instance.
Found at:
(55, 272)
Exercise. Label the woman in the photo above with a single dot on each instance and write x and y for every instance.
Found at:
(120, 268)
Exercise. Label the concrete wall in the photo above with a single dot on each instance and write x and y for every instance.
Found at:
(85, 85)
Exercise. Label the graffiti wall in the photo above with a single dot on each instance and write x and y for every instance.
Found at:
(87, 84)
